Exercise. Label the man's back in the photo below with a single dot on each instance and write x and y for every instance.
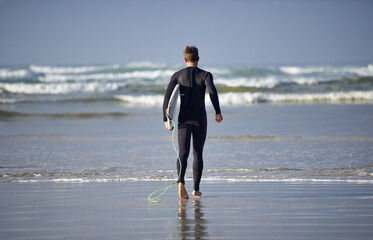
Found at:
(192, 92)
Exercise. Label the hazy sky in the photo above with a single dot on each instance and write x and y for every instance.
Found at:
(226, 32)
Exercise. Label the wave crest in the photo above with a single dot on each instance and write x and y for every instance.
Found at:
(60, 88)
(332, 97)
(69, 70)
(240, 99)
(363, 71)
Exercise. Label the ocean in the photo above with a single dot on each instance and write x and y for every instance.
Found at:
(143, 84)
(103, 123)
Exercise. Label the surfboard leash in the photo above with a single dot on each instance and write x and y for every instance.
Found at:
(163, 190)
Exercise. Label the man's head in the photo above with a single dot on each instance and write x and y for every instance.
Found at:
(191, 54)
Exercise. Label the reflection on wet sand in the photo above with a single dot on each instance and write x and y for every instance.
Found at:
(192, 228)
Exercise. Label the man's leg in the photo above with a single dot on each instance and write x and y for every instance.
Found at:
(199, 137)
(184, 136)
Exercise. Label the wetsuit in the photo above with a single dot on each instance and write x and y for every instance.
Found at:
(192, 121)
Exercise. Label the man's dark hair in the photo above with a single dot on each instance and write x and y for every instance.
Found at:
(191, 54)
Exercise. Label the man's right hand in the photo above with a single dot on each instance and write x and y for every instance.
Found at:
(168, 127)
(218, 118)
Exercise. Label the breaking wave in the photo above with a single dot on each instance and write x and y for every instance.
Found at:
(228, 99)
(358, 70)
(332, 97)
(60, 88)
(144, 83)
(69, 70)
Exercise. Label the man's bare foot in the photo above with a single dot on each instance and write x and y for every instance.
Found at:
(182, 192)
(197, 193)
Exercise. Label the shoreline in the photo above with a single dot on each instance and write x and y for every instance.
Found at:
(207, 180)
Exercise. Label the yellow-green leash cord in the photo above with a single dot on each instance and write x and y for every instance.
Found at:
(163, 190)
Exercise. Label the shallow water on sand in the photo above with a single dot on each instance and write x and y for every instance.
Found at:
(271, 172)
(225, 211)
(257, 143)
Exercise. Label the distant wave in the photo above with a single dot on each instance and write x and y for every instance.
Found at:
(359, 70)
(293, 70)
(107, 76)
(146, 64)
(69, 70)
(144, 83)
(228, 99)
(60, 88)
(270, 82)
(62, 84)
(144, 100)
(265, 82)
(333, 97)
(15, 74)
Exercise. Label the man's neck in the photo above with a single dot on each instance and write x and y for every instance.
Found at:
(192, 64)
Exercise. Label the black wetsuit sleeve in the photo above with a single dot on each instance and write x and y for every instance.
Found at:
(213, 93)
(167, 96)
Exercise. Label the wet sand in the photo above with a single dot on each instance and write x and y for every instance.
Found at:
(270, 210)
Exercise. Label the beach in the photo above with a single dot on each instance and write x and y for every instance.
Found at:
(81, 148)
(226, 211)
(91, 181)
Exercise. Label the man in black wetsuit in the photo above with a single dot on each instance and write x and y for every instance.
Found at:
(192, 121)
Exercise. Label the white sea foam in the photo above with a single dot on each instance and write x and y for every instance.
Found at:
(266, 82)
(107, 76)
(229, 179)
(207, 179)
(336, 71)
(218, 71)
(245, 98)
(227, 99)
(12, 74)
(305, 81)
(361, 71)
(67, 70)
(293, 70)
(142, 100)
(96, 180)
(60, 88)
(146, 64)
